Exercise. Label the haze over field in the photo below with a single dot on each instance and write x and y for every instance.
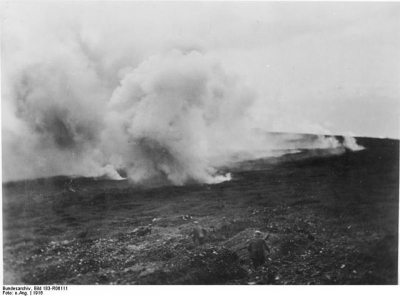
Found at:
(174, 90)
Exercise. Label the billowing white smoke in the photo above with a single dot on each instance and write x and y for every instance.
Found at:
(52, 110)
(350, 143)
(175, 116)
(171, 114)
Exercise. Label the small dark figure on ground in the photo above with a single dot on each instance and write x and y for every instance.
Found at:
(198, 233)
(256, 248)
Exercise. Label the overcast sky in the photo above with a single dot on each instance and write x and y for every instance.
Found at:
(314, 67)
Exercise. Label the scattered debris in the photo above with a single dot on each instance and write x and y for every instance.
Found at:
(84, 239)
(141, 231)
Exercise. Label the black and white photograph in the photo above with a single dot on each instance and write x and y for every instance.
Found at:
(231, 143)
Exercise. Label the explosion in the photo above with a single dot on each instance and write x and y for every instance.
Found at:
(72, 106)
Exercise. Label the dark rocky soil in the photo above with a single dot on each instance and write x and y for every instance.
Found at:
(327, 219)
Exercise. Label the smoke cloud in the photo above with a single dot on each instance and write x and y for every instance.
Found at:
(170, 114)
(74, 105)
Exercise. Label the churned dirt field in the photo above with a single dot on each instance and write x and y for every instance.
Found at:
(328, 219)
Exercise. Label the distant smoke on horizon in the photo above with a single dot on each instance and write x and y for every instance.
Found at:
(69, 108)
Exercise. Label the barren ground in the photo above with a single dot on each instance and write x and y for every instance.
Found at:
(329, 220)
